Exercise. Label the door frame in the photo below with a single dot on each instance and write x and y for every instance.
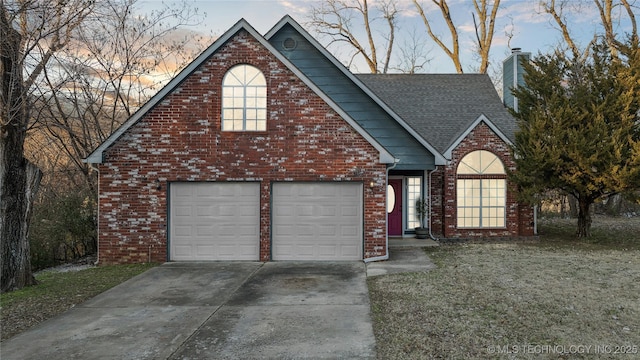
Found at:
(424, 192)
(403, 197)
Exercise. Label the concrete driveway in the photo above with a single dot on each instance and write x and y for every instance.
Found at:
(215, 311)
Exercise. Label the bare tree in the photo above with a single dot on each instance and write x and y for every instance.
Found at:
(31, 33)
(486, 12)
(118, 61)
(558, 13)
(609, 22)
(452, 52)
(605, 8)
(414, 55)
(342, 20)
(485, 27)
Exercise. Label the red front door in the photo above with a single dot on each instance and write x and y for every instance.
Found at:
(394, 201)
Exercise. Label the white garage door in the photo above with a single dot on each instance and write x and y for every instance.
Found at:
(317, 221)
(214, 221)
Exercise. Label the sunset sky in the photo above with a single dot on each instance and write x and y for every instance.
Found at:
(532, 31)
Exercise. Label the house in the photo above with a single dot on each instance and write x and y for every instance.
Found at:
(268, 148)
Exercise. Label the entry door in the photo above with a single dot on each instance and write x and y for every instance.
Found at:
(394, 207)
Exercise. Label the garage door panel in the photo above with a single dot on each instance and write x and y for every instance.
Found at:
(214, 221)
(327, 251)
(182, 211)
(327, 231)
(204, 231)
(348, 230)
(182, 230)
(325, 225)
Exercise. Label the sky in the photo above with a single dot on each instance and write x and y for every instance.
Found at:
(532, 30)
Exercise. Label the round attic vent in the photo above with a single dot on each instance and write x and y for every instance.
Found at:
(289, 44)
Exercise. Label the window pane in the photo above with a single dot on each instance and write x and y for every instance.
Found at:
(250, 73)
(414, 192)
(262, 125)
(227, 114)
(231, 79)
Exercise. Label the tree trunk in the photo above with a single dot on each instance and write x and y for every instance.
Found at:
(584, 218)
(573, 206)
(19, 179)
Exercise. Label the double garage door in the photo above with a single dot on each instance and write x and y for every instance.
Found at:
(309, 221)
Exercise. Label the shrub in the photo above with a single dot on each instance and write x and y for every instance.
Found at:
(63, 228)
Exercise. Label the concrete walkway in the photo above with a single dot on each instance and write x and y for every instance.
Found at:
(215, 311)
(405, 255)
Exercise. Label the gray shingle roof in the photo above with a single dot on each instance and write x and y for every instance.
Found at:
(440, 107)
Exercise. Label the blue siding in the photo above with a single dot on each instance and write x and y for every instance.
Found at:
(508, 81)
(369, 115)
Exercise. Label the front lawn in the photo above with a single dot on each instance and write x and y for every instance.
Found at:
(552, 298)
(57, 292)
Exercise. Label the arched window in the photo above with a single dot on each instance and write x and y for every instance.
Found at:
(482, 191)
(244, 99)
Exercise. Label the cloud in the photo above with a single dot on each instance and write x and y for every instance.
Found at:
(298, 7)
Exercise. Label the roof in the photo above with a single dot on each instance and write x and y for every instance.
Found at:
(96, 156)
(442, 107)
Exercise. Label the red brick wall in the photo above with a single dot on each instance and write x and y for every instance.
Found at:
(180, 140)
(519, 217)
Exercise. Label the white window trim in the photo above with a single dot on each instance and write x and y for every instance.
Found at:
(244, 108)
(478, 176)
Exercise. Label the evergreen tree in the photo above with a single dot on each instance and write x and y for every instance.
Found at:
(580, 126)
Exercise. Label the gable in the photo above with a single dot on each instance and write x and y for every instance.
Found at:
(465, 132)
(97, 155)
(441, 107)
(413, 151)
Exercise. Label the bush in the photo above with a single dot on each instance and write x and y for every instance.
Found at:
(63, 228)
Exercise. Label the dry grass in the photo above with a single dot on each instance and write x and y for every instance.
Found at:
(536, 298)
(57, 292)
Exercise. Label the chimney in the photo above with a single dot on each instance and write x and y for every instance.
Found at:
(512, 76)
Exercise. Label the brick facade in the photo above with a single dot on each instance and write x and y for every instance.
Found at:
(519, 217)
(180, 140)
